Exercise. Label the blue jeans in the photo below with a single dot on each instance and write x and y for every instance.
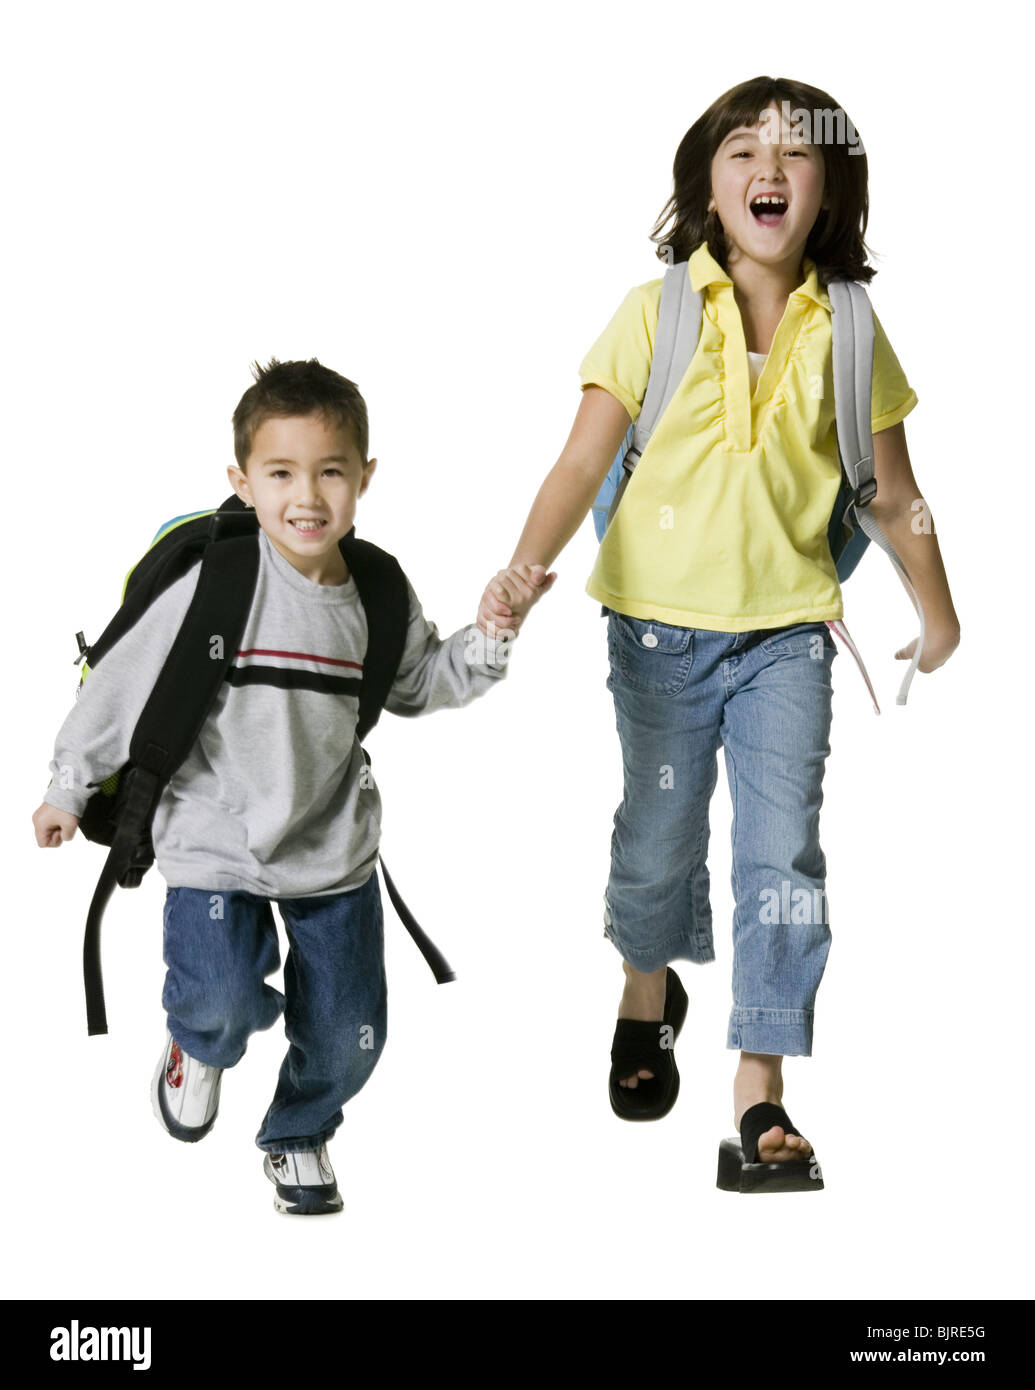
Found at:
(220, 946)
(765, 696)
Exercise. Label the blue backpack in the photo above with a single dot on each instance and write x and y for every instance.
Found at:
(851, 525)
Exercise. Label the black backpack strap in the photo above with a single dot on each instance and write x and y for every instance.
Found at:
(437, 962)
(127, 861)
(440, 967)
(204, 649)
(384, 594)
(169, 725)
(159, 569)
(168, 560)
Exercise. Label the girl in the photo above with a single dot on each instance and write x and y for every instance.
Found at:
(718, 583)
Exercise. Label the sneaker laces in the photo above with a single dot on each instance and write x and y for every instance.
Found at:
(203, 1069)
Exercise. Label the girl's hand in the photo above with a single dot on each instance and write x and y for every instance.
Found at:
(509, 597)
(939, 645)
(53, 826)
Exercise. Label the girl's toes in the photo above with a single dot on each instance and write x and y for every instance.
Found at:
(631, 1082)
(770, 1143)
(774, 1146)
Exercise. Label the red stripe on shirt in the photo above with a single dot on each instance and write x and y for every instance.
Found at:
(301, 656)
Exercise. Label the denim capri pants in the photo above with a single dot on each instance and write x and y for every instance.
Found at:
(765, 697)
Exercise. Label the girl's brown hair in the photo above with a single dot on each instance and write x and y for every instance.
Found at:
(835, 242)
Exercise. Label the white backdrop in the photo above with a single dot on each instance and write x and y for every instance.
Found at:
(446, 204)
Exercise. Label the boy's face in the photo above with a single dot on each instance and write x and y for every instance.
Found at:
(304, 475)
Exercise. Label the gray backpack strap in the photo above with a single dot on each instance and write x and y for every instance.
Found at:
(675, 342)
(853, 385)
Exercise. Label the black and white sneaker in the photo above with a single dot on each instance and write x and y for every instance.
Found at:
(185, 1093)
(304, 1181)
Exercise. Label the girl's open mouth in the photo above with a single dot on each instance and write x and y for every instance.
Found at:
(769, 208)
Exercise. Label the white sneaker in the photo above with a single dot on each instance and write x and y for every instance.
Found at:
(304, 1181)
(185, 1093)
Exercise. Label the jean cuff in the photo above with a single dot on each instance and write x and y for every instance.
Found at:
(646, 961)
(296, 1146)
(782, 1032)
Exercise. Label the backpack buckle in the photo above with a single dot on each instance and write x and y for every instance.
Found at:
(142, 856)
(224, 525)
(863, 496)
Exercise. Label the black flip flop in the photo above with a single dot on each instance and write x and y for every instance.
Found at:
(740, 1170)
(637, 1044)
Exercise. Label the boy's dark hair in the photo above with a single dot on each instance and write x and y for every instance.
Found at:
(298, 388)
(835, 242)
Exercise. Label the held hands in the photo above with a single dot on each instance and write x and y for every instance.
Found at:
(509, 597)
(53, 826)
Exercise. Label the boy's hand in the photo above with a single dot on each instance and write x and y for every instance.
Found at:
(509, 597)
(53, 826)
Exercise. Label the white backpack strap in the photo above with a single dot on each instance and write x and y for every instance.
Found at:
(679, 327)
(675, 341)
(853, 386)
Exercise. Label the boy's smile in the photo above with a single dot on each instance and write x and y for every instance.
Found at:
(304, 476)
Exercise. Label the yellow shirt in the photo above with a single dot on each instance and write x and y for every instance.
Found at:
(724, 522)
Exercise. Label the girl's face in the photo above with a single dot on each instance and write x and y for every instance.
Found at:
(767, 189)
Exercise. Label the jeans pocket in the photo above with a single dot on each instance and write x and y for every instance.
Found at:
(650, 657)
(801, 639)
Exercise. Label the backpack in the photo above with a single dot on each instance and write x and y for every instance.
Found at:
(120, 811)
(851, 526)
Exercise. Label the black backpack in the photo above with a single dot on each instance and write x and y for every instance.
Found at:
(120, 812)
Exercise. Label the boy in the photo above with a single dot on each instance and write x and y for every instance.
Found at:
(275, 801)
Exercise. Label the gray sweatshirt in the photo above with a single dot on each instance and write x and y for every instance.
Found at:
(275, 796)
